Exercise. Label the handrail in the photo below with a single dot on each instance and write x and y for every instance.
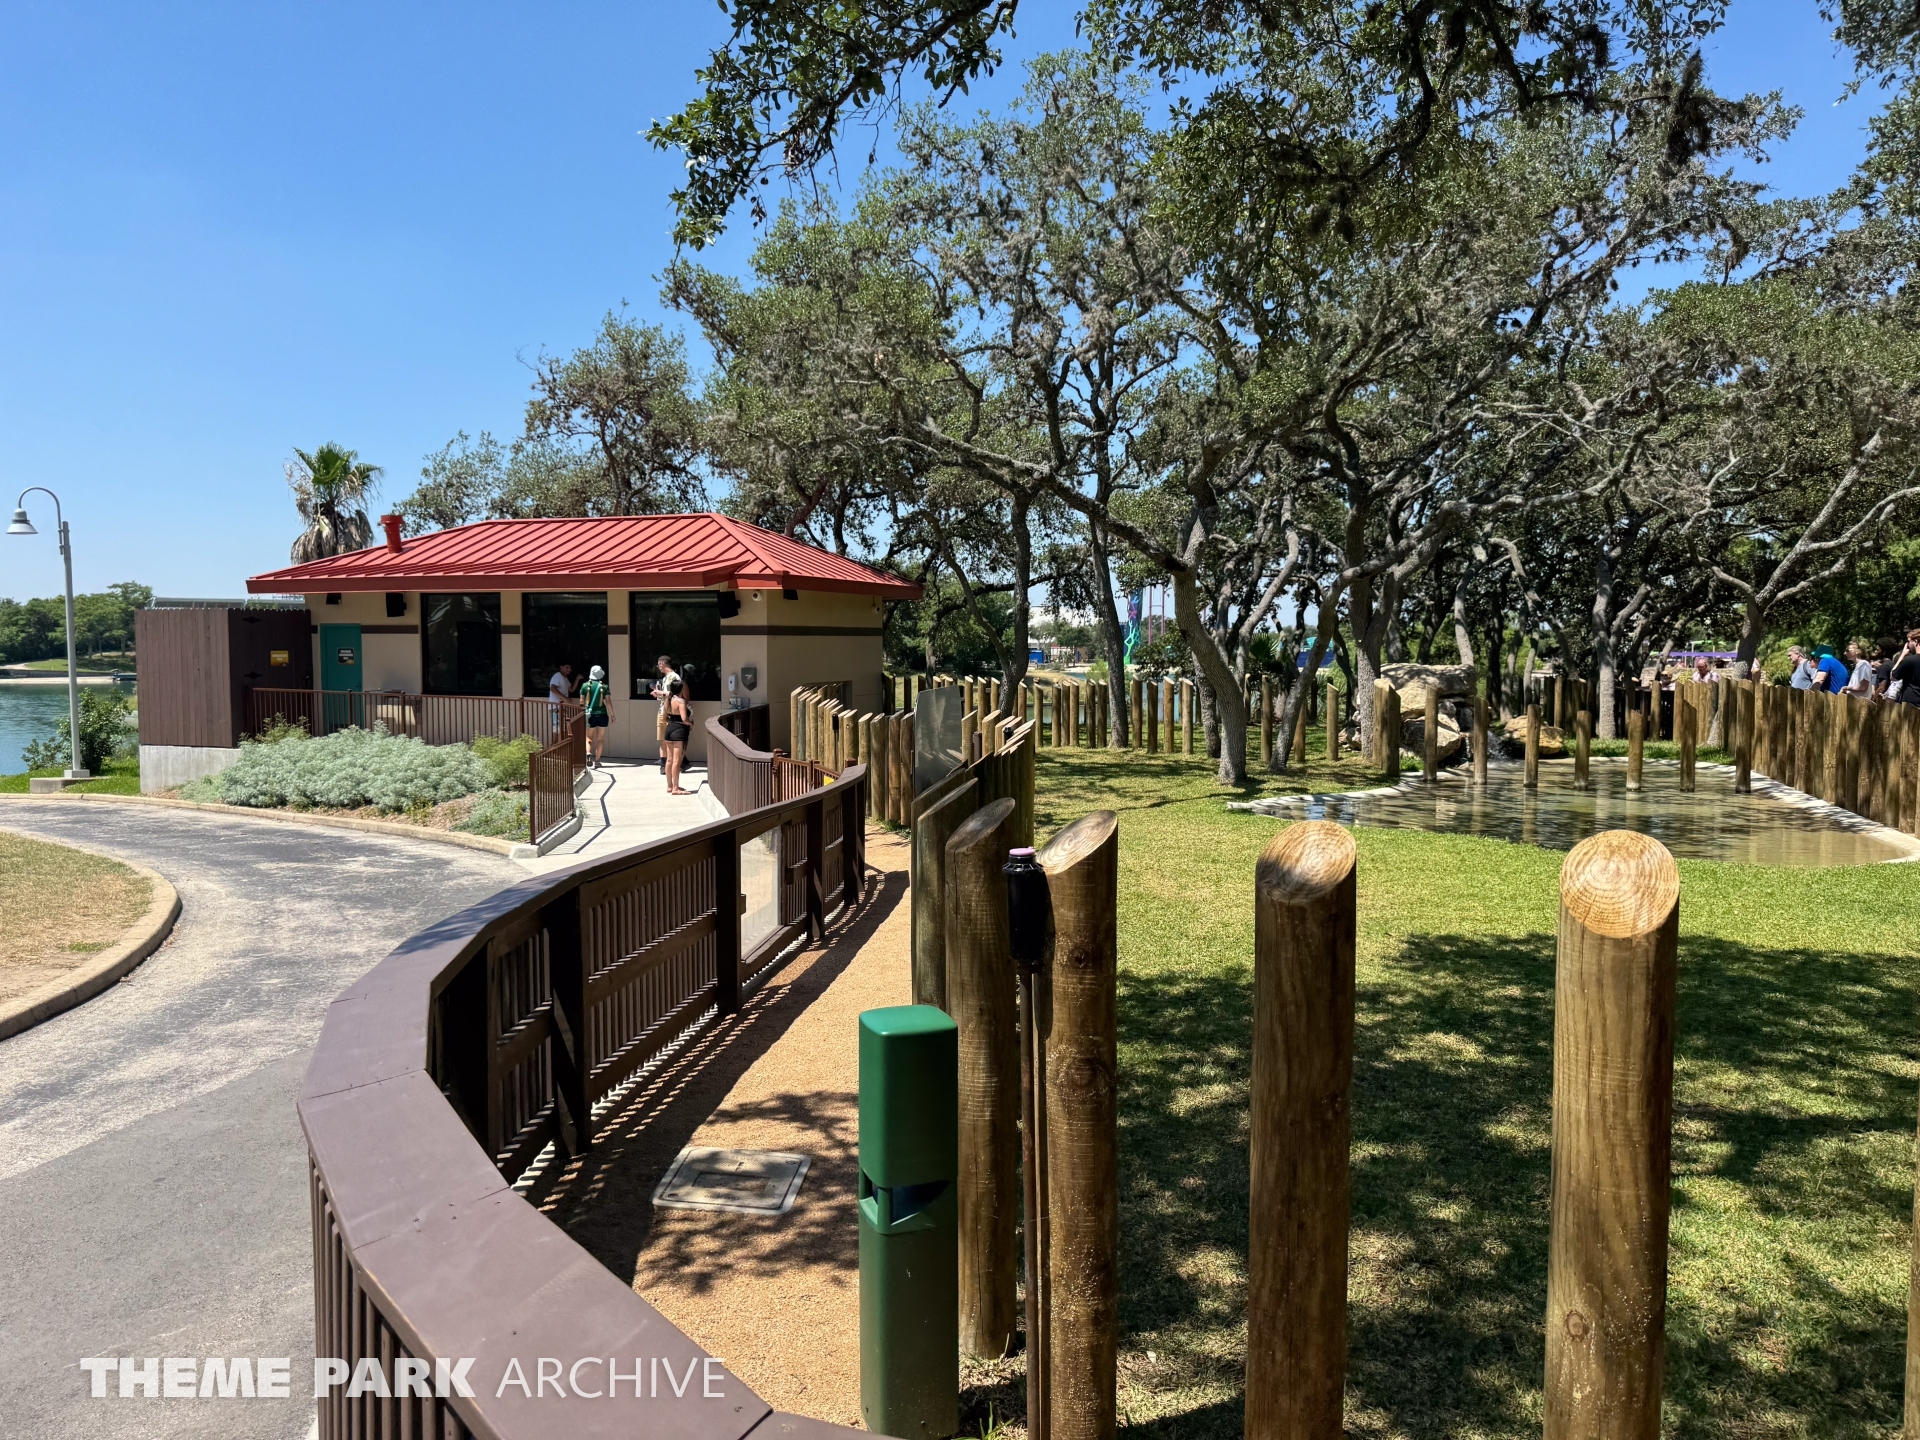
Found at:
(446, 1069)
(436, 719)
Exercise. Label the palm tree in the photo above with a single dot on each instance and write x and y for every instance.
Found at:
(330, 488)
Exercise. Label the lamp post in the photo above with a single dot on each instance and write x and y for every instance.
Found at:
(23, 526)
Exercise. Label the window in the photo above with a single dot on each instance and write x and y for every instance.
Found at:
(685, 626)
(460, 644)
(557, 629)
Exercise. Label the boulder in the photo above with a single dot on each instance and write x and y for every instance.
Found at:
(1451, 746)
(1513, 740)
(1414, 680)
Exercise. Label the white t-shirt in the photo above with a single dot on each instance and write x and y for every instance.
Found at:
(559, 687)
(1861, 681)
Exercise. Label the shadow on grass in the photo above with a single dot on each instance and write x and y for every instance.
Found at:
(1793, 1167)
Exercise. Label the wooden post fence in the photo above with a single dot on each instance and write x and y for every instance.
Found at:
(1186, 717)
(1612, 1139)
(980, 994)
(928, 928)
(1531, 777)
(1636, 746)
(1390, 734)
(1430, 737)
(1299, 1133)
(1149, 693)
(1479, 739)
(1081, 1276)
(1683, 731)
(1743, 731)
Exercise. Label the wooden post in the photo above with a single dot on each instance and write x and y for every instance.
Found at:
(1531, 775)
(1167, 693)
(872, 734)
(1377, 754)
(928, 929)
(980, 996)
(1430, 737)
(1136, 730)
(1832, 750)
(1479, 739)
(1333, 721)
(1266, 721)
(1743, 727)
(1686, 729)
(1299, 1109)
(1636, 746)
(1390, 734)
(1147, 695)
(1583, 749)
(1081, 1280)
(1909, 767)
(1300, 728)
(1612, 1138)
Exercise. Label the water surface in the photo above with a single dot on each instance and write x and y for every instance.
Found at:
(1712, 823)
(30, 712)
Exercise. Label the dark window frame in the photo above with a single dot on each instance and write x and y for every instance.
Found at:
(698, 665)
(427, 607)
(534, 676)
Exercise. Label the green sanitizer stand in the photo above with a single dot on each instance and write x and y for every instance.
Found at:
(909, 1223)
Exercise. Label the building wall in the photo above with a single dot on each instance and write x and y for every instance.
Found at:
(389, 645)
(816, 638)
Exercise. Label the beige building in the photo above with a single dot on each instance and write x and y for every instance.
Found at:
(494, 608)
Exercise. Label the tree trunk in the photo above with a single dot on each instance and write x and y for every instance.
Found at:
(1016, 669)
(1751, 634)
(1229, 708)
(1603, 641)
(1112, 640)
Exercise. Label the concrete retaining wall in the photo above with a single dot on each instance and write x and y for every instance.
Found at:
(164, 766)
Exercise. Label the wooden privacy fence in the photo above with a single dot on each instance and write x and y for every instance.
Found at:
(1859, 754)
(445, 1071)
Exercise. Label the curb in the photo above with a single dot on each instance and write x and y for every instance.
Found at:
(287, 817)
(145, 936)
(565, 830)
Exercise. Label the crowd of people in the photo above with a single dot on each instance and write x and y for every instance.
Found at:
(673, 725)
(1892, 672)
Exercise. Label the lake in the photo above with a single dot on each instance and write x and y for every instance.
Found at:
(30, 712)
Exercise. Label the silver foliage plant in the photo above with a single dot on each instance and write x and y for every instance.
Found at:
(351, 768)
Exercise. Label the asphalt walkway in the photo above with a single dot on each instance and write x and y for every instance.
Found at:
(153, 1177)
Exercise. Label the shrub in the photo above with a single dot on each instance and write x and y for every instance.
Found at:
(351, 768)
(282, 729)
(506, 759)
(495, 812)
(106, 730)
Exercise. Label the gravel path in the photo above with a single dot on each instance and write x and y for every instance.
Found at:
(153, 1178)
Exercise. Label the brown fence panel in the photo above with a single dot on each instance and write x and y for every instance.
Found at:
(502, 1025)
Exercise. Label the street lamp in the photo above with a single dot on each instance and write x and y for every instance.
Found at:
(23, 526)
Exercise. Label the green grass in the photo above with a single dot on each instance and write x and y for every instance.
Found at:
(86, 665)
(122, 778)
(1794, 1122)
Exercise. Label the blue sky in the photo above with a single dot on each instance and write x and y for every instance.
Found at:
(226, 230)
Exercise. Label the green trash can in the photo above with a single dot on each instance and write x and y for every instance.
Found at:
(909, 1223)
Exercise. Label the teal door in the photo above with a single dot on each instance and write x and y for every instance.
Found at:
(339, 670)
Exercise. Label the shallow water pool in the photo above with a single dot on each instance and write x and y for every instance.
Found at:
(1712, 823)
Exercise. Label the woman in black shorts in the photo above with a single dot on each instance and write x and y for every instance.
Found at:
(679, 729)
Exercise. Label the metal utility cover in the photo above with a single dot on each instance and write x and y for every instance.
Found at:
(749, 1182)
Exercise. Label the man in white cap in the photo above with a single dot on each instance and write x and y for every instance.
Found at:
(593, 699)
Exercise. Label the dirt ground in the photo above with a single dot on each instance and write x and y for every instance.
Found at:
(777, 1298)
(61, 907)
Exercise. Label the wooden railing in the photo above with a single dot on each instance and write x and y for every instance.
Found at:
(453, 1063)
(436, 719)
(753, 725)
(744, 779)
(550, 778)
(1859, 754)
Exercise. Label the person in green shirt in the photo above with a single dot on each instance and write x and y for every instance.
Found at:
(593, 696)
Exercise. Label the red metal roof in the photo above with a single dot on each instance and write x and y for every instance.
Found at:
(616, 552)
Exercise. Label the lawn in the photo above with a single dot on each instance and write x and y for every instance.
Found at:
(62, 905)
(122, 777)
(1794, 1124)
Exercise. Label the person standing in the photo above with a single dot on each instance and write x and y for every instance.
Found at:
(1831, 674)
(663, 693)
(593, 696)
(1903, 684)
(674, 737)
(559, 688)
(1802, 676)
(1859, 672)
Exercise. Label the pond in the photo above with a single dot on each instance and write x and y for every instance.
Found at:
(30, 712)
(1712, 823)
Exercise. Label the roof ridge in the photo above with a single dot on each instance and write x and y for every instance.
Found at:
(750, 539)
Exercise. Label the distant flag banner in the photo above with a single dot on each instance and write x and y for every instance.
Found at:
(1133, 625)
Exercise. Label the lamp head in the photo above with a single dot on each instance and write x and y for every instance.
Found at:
(21, 525)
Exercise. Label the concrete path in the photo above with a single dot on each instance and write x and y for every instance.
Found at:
(626, 804)
(153, 1178)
